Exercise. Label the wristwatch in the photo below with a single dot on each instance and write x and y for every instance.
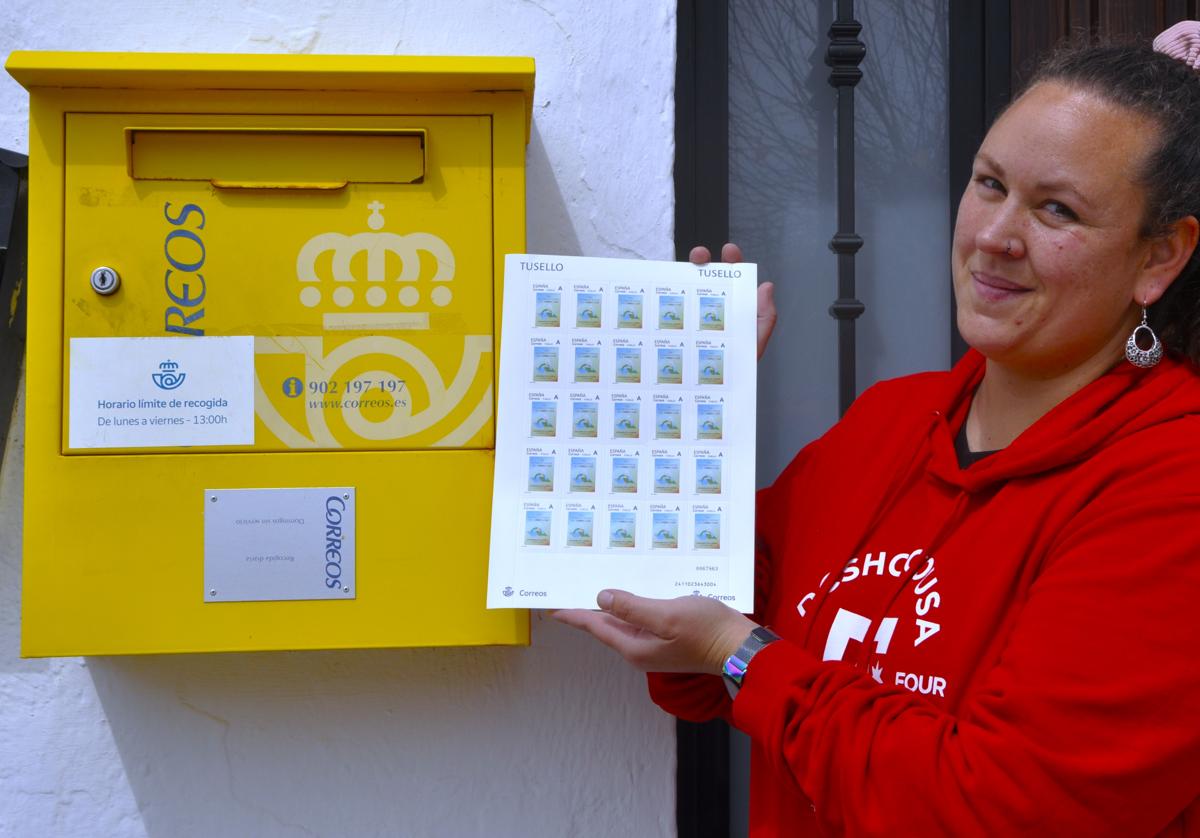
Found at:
(736, 664)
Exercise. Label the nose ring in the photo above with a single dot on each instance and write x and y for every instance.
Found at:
(1008, 247)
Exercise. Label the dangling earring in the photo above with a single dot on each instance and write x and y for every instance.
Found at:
(1144, 358)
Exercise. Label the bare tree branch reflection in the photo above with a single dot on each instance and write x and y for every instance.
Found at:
(782, 108)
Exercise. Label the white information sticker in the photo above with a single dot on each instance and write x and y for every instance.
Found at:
(161, 392)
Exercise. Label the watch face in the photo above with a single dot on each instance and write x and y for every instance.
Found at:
(764, 635)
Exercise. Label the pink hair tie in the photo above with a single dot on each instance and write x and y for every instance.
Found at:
(1181, 41)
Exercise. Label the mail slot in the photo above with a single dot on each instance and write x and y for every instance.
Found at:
(281, 158)
(264, 306)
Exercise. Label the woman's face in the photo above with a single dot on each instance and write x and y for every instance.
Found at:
(1048, 260)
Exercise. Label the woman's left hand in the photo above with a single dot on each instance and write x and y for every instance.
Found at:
(687, 634)
(767, 315)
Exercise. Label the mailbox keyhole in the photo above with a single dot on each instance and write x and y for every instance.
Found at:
(105, 281)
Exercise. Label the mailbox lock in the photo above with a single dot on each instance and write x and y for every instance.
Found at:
(105, 281)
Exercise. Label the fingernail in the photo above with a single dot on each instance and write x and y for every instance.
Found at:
(604, 599)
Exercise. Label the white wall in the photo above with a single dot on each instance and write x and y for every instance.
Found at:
(555, 740)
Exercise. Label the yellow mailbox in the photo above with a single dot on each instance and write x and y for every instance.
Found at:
(263, 319)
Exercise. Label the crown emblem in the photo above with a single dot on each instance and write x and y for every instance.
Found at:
(380, 289)
(374, 282)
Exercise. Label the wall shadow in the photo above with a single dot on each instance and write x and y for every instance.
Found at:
(549, 228)
(414, 742)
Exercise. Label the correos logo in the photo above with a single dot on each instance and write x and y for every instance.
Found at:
(168, 376)
(184, 250)
(335, 509)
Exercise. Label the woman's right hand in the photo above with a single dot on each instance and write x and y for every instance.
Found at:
(766, 292)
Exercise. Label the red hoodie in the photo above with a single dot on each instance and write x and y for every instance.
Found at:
(1007, 649)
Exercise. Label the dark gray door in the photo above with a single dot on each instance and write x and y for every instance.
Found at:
(782, 209)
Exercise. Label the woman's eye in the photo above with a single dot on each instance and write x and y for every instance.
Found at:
(988, 182)
(1061, 210)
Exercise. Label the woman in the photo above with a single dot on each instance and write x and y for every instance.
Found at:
(984, 583)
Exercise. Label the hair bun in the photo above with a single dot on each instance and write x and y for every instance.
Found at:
(1181, 41)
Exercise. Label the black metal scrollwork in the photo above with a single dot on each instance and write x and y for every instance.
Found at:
(844, 55)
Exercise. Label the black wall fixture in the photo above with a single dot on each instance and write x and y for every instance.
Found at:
(14, 171)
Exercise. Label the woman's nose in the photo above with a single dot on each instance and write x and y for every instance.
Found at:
(1000, 235)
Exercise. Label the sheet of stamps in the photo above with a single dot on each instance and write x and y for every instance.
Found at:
(625, 432)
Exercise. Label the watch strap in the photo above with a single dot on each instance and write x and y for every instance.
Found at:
(736, 665)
